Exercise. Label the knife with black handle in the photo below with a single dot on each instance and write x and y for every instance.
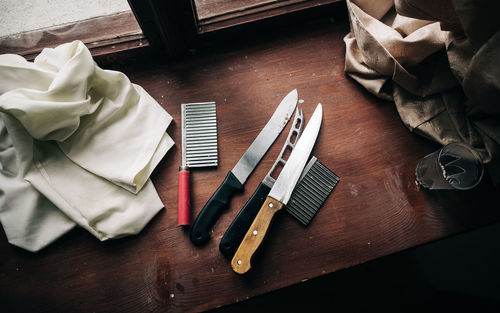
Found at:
(238, 228)
(236, 178)
(214, 207)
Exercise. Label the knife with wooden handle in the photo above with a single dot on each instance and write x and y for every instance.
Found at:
(236, 178)
(236, 231)
(278, 196)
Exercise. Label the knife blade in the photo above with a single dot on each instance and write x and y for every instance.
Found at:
(236, 178)
(278, 196)
(236, 231)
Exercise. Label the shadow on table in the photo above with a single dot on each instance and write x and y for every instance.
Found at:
(457, 274)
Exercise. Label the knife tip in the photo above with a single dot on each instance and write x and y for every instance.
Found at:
(319, 109)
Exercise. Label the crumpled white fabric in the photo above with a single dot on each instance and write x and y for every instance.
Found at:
(77, 145)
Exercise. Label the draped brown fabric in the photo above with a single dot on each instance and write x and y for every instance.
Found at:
(438, 61)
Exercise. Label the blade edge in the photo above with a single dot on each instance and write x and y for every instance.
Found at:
(291, 172)
(266, 137)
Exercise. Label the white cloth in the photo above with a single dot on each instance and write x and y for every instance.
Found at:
(77, 145)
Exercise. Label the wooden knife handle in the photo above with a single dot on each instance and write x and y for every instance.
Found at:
(241, 262)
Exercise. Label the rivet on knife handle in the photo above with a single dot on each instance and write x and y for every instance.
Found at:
(242, 260)
(200, 232)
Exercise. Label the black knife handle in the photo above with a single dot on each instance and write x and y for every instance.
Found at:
(239, 227)
(200, 232)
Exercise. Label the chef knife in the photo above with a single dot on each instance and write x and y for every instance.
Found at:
(200, 231)
(278, 196)
(236, 231)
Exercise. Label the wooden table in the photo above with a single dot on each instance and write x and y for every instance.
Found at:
(377, 209)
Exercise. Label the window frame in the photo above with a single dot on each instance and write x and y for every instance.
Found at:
(168, 27)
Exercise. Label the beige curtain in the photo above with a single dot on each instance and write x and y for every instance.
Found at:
(438, 62)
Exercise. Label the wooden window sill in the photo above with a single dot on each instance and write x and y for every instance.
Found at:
(218, 14)
(102, 35)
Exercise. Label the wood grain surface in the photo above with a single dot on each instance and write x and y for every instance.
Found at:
(375, 210)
